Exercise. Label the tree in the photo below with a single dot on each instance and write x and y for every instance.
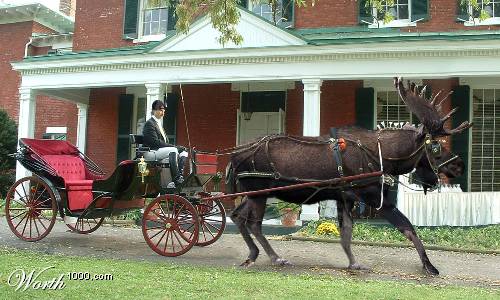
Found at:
(223, 14)
(8, 144)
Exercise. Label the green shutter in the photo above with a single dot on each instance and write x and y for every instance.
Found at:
(460, 142)
(242, 3)
(462, 14)
(130, 18)
(365, 108)
(172, 16)
(125, 110)
(419, 10)
(364, 13)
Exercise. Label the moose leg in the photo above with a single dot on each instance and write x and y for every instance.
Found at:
(240, 216)
(396, 218)
(345, 223)
(258, 206)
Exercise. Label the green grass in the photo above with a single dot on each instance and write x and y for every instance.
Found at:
(482, 238)
(145, 280)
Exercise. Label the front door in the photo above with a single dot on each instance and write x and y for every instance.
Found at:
(261, 113)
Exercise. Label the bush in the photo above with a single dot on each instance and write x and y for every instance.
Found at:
(8, 143)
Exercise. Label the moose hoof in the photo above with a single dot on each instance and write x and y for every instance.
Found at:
(357, 266)
(281, 262)
(431, 270)
(247, 263)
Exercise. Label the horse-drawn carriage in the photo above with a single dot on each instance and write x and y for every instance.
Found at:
(347, 166)
(67, 183)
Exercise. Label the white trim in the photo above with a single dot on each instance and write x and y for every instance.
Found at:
(57, 129)
(478, 22)
(247, 20)
(81, 126)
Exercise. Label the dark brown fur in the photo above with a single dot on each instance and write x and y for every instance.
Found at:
(307, 158)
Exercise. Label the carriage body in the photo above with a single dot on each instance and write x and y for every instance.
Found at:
(67, 183)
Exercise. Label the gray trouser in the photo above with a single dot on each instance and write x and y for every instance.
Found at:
(162, 155)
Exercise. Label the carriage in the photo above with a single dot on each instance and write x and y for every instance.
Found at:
(67, 183)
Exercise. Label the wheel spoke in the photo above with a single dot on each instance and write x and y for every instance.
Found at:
(36, 226)
(210, 231)
(21, 220)
(42, 223)
(178, 240)
(161, 238)
(166, 242)
(20, 197)
(180, 210)
(216, 228)
(16, 216)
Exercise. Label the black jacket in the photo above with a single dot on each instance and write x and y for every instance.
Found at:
(153, 137)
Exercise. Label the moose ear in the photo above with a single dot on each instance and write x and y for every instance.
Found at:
(427, 111)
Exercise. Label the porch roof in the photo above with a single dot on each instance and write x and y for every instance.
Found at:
(313, 37)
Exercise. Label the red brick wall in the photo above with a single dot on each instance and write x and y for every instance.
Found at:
(295, 109)
(9, 52)
(341, 13)
(327, 13)
(39, 28)
(102, 127)
(55, 113)
(99, 24)
(443, 14)
(338, 99)
(211, 114)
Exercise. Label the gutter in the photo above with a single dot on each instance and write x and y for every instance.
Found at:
(26, 47)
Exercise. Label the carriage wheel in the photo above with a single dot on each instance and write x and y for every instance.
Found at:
(212, 218)
(85, 226)
(170, 225)
(31, 208)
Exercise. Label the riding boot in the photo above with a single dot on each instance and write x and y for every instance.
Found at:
(180, 177)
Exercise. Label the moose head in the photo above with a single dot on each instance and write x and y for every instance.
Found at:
(437, 159)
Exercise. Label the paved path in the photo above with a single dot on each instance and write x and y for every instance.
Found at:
(400, 264)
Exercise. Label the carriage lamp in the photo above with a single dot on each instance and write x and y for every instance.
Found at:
(143, 168)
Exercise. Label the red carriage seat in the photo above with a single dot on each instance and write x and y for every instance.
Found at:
(76, 180)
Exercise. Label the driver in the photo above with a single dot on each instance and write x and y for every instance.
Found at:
(156, 139)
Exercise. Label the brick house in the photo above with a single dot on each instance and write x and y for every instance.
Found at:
(34, 30)
(319, 67)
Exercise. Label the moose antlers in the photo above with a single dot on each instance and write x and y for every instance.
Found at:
(428, 112)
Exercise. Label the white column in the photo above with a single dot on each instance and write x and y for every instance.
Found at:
(81, 128)
(311, 126)
(26, 127)
(154, 91)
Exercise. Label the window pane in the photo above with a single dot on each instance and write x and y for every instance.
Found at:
(155, 15)
(403, 12)
(496, 9)
(155, 27)
(147, 29)
(485, 165)
(163, 14)
(147, 16)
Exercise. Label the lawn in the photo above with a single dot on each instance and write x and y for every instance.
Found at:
(480, 237)
(145, 280)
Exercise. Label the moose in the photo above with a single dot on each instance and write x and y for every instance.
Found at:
(281, 160)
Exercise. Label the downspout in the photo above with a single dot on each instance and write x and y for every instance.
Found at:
(26, 47)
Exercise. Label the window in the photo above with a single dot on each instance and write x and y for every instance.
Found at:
(485, 161)
(486, 13)
(395, 13)
(148, 20)
(154, 17)
(284, 11)
(390, 108)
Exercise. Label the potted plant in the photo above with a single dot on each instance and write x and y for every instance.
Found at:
(289, 213)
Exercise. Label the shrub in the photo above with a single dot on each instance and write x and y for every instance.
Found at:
(8, 143)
